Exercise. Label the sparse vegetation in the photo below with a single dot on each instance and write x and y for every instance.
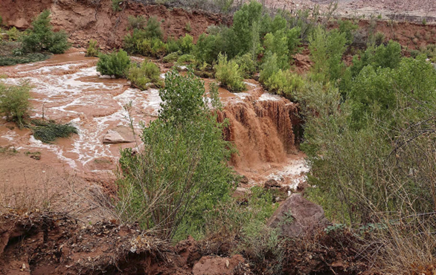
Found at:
(49, 131)
(14, 102)
(93, 49)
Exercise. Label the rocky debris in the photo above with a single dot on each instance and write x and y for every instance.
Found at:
(298, 217)
(210, 265)
(271, 184)
(120, 134)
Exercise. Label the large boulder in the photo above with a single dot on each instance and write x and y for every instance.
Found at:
(210, 265)
(297, 217)
(120, 134)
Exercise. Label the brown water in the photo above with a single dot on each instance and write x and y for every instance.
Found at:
(68, 89)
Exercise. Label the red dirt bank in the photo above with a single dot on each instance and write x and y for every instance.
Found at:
(88, 19)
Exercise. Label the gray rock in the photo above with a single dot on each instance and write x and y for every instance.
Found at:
(297, 217)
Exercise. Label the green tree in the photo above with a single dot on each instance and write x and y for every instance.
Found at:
(42, 38)
(14, 102)
(229, 74)
(181, 171)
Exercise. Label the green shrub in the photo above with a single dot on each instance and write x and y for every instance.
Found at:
(183, 162)
(116, 5)
(14, 102)
(114, 64)
(1, 21)
(284, 83)
(173, 45)
(142, 74)
(229, 74)
(49, 131)
(137, 22)
(42, 38)
(132, 41)
(153, 29)
(186, 58)
(13, 34)
(171, 58)
(93, 49)
(188, 27)
(246, 65)
(268, 67)
(186, 44)
(152, 47)
(349, 28)
(206, 48)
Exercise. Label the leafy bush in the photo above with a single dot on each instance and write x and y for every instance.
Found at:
(14, 102)
(326, 50)
(186, 44)
(186, 58)
(13, 34)
(229, 74)
(138, 22)
(246, 65)
(348, 27)
(93, 49)
(42, 38)
(243, 21)
(170, 58)
(206, 48)
(132, 41)
(142, 74)
(153, 29)
(188, 27)
(49, 131)
(268, 68)
(172, 45)
(116, 5)
(284, 83)
(183, 162)
(277, 44)
(152, 47)
(114, 64)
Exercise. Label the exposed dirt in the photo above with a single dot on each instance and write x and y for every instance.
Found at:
(84, 20)
(53, 243)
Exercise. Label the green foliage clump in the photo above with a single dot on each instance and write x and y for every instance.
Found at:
(13, 34)
(186, 44)
(229, 74)
(153, 29)
(246, 65)
(152, 47)
(172, 45)
(181, 172)
(277, 44)
(14, 102)
(142, 74)
(186, 58)
(49, 131)
(170, 58)
(114, 64)
(349, 28)
(206, 49)
(42, 38)
(284, 83)
(326, 50)
(188, 27)
(93, 49)
(268, 68)
(116, 5)
(138, 22)
(243, 21)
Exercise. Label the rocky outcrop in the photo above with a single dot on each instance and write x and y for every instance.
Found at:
(120, 134)
(298, 217)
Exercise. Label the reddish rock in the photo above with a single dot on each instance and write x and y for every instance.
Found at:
(298, 216)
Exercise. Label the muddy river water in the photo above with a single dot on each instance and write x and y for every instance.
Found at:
(68, 89)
